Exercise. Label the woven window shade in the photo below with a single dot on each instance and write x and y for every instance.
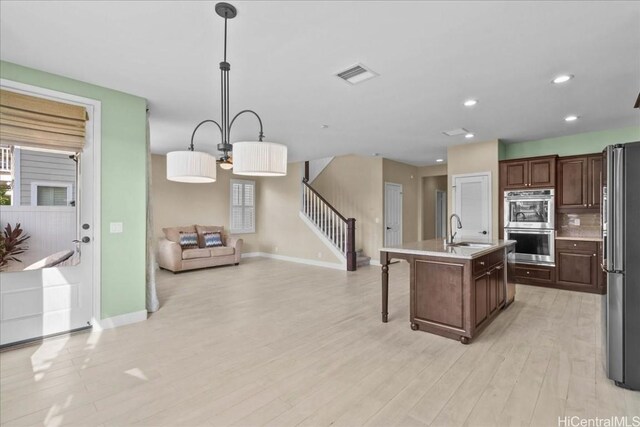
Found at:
(41, 123)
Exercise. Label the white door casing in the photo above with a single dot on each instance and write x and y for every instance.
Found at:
(441, 214)
(392, 214)
(472, 202)
(53, 300)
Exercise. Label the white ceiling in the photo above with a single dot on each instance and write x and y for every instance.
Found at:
(430, 56)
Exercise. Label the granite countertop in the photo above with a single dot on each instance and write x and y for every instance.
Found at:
(437, 247)
(581, 238)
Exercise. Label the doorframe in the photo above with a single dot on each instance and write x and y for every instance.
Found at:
(444, 219)
(489, 195)
(93, 134)
(384, 210)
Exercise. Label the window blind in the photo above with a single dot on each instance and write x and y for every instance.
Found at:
(41, 123)
(242, 206)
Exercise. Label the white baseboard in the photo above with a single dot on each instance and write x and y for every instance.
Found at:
(121, 320)
(334, 265)
(375, 262)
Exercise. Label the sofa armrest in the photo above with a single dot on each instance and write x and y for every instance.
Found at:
(169, 255)
(236, 243)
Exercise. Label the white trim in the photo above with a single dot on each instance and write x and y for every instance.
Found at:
(121, 320)
(315, 263)
(60, 184)
(94, 134)
(489, 195)
(328, 243)
(16, 199)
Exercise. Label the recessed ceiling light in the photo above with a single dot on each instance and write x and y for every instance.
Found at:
(571, 118)
(439, 160)
(470, 102)
(324, 126)
(563, 78)
(375, 154)
(469, 135)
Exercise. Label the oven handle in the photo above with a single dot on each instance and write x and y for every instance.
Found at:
(529, 230)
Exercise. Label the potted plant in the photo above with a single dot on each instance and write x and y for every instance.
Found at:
(12, 244)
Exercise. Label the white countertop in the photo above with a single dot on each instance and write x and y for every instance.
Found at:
(437, 247)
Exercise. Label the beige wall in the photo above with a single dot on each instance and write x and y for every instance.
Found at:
(281, 230)
(407, 176)
(176, 204)
(478, 157)
(435, 170)
(353, 185)
(429, 186)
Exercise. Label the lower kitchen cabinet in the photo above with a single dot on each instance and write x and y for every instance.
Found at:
(490, 292)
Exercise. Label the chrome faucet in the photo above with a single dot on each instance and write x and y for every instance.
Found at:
(458, 225)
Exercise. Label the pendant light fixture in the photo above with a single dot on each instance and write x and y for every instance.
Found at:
(254, 158)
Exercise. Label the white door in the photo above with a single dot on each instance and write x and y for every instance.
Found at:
(48, 301)
(473, 205)
(392, 214)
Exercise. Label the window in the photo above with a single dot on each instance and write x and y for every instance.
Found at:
(51, 194)
(243, 212)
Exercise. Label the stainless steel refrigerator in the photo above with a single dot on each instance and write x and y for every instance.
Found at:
(621, 245)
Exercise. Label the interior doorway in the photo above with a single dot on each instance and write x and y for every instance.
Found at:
(472, 202)
(441, 214)
(392, 214)
(433, 220)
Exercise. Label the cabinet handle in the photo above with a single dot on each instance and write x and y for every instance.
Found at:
(575, 244)
(481, 262)
(594, 255)
(585, 205)
(528, 272)
(489, 273)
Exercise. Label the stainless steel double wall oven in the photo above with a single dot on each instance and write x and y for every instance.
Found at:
(529, 219)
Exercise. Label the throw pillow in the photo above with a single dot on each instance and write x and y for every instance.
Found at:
(188, 240)
(212, 239)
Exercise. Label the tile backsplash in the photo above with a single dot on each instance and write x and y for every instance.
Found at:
(578, 225)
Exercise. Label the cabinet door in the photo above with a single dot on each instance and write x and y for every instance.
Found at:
(514, 174)
(572, 182)
(594, 181)
(577, 268)
(481, 285)
(500, 283)
(493, 290)
(542, 173)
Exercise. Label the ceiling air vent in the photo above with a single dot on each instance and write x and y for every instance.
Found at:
(456, 132)
(356, 74)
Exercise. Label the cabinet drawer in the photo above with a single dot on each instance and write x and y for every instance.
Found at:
(534, 273)
(577, 245)
(487, 261)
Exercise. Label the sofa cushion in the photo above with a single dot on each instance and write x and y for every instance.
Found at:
(173, 233)
(221, 251)
(201, 229)
(212, 239)
(196, 253)
(188, 240)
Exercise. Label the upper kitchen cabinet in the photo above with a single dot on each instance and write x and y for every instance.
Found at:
(535, 172)
(579, 182)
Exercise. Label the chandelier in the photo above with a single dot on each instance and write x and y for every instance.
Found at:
(254, 158)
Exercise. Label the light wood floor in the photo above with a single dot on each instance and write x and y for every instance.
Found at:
(282, 344)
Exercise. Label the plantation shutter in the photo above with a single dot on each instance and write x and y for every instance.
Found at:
(243, 218)
(29, 121)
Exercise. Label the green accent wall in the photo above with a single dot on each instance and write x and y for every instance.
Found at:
(123, 185)
(583, 143)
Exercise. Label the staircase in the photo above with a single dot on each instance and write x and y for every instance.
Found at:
(361, 259)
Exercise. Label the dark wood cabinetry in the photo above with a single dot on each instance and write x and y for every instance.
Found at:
(530, 274)
(451, 296)
(579, 182)
(577, 265)
(537, 172)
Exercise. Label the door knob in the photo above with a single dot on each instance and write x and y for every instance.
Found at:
(85, 226)
(86, 239)
(388, 228)
(483, 232)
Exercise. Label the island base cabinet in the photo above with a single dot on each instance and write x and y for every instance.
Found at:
(456, 298)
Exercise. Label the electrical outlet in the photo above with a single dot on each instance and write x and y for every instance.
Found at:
(115, 227)
(319, 254)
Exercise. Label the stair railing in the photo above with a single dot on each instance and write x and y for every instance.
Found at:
(339, 230)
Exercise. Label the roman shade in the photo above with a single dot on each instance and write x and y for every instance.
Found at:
(29, 121)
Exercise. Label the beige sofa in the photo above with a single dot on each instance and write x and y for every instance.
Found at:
(172, 257)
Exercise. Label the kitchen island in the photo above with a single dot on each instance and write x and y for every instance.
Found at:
(455, 290)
